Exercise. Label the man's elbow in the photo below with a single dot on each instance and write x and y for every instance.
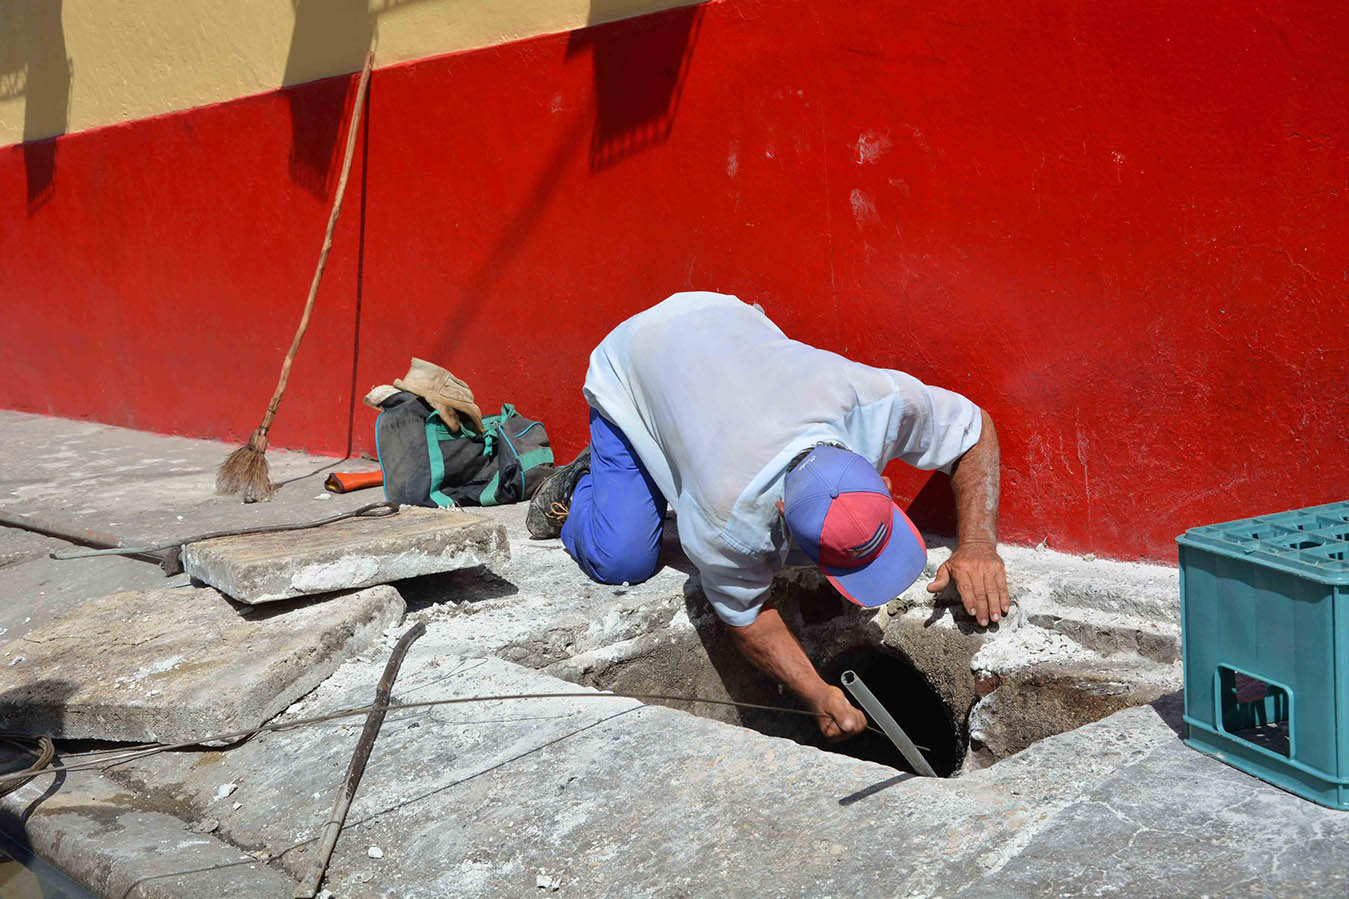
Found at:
(988, 436)
(985, 449)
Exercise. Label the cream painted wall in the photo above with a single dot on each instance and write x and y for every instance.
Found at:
(67, 66)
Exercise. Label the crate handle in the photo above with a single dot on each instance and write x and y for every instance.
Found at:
(1254, 710)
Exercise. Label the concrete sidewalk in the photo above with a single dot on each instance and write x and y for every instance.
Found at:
(608, 797)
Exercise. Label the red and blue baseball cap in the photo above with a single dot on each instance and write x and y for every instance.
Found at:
(841, 515)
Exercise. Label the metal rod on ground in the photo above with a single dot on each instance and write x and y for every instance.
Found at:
(872, 706)
(383, 509)
(73, 534)
(356, 769)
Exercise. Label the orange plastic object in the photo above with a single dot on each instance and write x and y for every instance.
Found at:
(347, 481)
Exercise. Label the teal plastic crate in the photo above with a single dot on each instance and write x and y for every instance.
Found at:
(1264, 606)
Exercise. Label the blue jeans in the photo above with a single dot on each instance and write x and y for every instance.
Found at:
(617, 514)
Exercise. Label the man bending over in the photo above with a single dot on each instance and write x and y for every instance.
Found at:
(759, 441)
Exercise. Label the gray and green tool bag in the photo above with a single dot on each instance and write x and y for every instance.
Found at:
(426, 465)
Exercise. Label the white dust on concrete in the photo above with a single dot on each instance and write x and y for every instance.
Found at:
(345, 573)
(1107, 596)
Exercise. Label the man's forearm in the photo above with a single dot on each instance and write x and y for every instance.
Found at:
(975, 565)
(772, 648)
(976, 483)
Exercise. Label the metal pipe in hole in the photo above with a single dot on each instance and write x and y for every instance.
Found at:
(872, 706)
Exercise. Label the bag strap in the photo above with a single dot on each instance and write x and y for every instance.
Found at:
(379, 457)
(434, 429)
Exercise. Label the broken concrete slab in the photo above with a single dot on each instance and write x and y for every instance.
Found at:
(119, 843)
(35, 589)
(644, 804)
(174, 665)
(149, 488)
(346, 555)
(617, 800)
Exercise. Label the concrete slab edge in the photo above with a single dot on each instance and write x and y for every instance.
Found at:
(388, 615)
(117, 844)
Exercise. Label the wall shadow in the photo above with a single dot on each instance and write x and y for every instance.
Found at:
(329, 36)
(933, 510)
(34, 65)
(640, 67)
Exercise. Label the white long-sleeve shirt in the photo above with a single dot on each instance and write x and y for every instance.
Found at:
(717, 401)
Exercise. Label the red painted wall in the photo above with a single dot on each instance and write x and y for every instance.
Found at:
(1118, 226)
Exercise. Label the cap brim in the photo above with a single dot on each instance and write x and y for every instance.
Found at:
(889, 574)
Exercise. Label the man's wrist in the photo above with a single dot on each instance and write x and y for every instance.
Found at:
(822, 696)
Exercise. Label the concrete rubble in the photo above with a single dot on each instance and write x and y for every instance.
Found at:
(1084, 639)
(172, 665)
(1076, 782)
(346, 555)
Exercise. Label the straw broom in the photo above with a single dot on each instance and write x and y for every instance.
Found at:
(246, 471)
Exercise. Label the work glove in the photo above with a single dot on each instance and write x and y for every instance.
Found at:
(447, 394)
(376, 397)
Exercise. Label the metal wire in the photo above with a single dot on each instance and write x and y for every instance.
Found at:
(106, 759)
(372, 510)
(43, 750)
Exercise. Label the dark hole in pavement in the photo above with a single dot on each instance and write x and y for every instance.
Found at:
(676, 667)
(707, 663)
(911, 701)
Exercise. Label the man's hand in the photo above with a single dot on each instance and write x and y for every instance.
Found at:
(975, 565)
(844, 719)
(772, 648)
(980, 577)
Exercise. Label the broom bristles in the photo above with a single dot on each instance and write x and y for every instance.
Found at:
(246, 471)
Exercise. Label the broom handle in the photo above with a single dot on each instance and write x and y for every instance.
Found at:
(327, 245)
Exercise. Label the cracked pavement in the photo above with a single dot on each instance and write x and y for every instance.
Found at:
(605, 796)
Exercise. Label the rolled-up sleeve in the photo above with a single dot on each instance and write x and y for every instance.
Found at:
(928, 427)
(735, 600)
(734, 579)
